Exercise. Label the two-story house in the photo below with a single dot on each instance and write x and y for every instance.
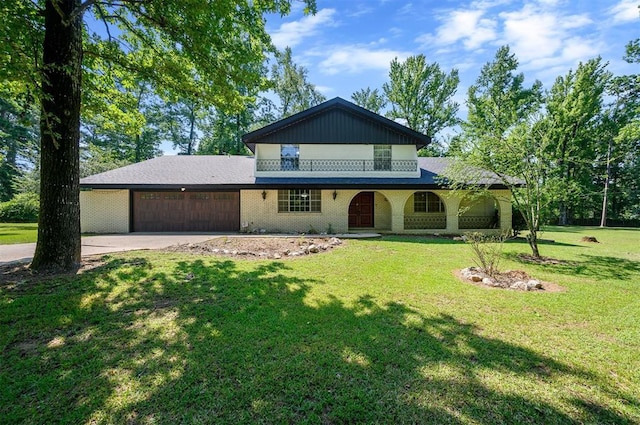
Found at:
(333, 168)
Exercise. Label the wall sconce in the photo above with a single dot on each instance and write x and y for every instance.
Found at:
(335, 195)
(264, 195)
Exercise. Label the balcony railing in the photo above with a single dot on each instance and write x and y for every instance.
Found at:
(338, 165)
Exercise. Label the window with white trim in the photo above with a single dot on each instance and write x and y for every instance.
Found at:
(299, 200)
(382, 157)
(289, 157)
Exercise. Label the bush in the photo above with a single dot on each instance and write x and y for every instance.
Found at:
(487, 250)
(23, 208)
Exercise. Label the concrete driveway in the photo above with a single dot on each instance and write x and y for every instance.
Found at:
(104, 244)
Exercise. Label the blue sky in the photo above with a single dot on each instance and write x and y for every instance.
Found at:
(348, 44)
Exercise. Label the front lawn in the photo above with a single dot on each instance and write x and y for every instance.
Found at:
(378, 331)
(11, 233)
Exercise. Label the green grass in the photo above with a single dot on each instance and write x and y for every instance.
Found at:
(379, 331)
(11, 233)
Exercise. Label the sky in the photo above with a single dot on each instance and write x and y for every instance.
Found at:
(348, 44)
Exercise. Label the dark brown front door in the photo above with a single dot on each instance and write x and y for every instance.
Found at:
(361, 210)
(186, 211)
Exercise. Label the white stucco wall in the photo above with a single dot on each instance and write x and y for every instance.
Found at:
(104, 211)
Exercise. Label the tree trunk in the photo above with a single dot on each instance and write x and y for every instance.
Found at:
(532, 238)
(59, 243)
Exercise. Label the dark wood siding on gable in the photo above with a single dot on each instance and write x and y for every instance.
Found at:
(340, 127)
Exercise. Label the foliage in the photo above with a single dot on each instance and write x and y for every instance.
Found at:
(22, 208)
(372, 100)
(421, 93)
(486, 250)
(572, 109)
(95, 161)
(193, 49)
(175, 338)
(502, 136)
(18, 136)
(290, 85)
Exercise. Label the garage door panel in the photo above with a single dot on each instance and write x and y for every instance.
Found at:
(186, 211)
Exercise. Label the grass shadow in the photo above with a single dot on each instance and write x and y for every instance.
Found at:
(212, 341)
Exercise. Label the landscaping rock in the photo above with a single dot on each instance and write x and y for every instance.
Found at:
(313, 249)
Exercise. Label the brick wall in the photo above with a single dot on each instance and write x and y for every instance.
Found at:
(104, 211)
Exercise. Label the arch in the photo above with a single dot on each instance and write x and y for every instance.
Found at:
(369, 210)
(479, 212)
(425, 210)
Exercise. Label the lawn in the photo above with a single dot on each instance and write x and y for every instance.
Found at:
(11, 233)
(378, 331)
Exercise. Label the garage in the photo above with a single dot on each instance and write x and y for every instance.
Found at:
(177, 211)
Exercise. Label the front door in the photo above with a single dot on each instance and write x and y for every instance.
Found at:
(361, 210)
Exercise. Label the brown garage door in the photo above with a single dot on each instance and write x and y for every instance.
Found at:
(186, 211)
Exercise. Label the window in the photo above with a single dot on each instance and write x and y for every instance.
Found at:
(298, 200)
(427, 202)
(150, 196)
(289, 157)
(382, 157)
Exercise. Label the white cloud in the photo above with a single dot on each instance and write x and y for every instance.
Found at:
(536, 34)
(625, 11)
(292, 33)
(467, 26)
(354, 59)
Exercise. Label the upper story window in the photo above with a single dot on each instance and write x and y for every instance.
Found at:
(427, 202)
(289, 157)
(382, 157)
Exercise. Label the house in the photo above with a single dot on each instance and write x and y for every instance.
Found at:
(335, 167)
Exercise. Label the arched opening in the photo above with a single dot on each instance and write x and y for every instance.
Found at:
(369, 210)
(424, 210)
(479, 213)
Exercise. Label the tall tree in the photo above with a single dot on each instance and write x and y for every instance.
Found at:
(295, 93)
(422, 94)
(372, 100)
(216, 38)
(504, 136)
(573, 107)
(18, 137)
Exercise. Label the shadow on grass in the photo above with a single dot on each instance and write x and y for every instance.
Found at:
(596, 267)
(212, 342)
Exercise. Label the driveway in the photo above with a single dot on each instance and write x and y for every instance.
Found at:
(104, 244)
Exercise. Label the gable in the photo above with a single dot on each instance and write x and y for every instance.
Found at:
(336, 122)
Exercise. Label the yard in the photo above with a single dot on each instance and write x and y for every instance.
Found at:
(375, 331)
(11, 233)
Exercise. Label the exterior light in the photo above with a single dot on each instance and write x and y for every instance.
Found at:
(264, 195)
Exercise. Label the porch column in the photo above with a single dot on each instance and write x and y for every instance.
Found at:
(451, 204)
(504, 201)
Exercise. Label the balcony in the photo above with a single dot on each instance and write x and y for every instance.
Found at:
(337, 165)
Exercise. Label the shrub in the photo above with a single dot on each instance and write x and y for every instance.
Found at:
(487, 250)
(23, 208)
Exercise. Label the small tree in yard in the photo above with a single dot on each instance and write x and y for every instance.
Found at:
(504, 136)
(487, 250)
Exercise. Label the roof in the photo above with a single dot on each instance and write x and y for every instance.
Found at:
(336, 121)
(237, 172)
(176, 171)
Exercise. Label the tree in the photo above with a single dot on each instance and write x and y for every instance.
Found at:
(214, 38)
(504, 135)
(573, 107)
(372, 100)
(18, 137)
(621, 129)
(421, 93)
(294, 92)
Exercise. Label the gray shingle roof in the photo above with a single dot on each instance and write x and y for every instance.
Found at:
(215, 172)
